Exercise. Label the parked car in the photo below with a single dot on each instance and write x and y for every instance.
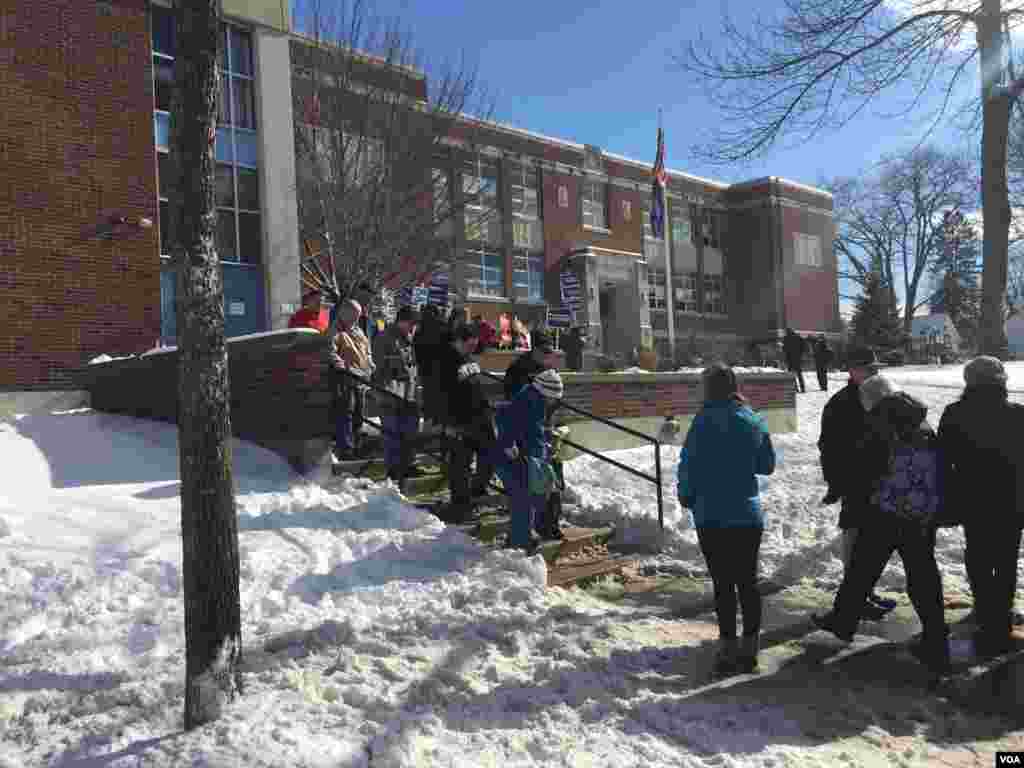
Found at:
(894, 357)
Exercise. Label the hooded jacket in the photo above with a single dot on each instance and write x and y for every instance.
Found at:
(521, 423)
(466, 405)
(726, 447)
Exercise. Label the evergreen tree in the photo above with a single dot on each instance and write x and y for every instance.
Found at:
(876, 319)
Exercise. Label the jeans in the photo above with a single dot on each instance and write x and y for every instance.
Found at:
(991, 560)
(401, 426)
(822, 378)
(797, 370)
(525, 508)
(872, 549)
(731, 554)
(348, 419)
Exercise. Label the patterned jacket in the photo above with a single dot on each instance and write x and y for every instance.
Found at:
(396, 365)
(350, 350)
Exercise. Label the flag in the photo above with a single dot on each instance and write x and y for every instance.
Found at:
(658, 185)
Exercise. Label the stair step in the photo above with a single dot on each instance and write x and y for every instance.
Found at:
(567, 573)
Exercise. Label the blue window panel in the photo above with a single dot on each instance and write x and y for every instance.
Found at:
(244, 308)
(248, 151)
(168, 317)
(162, 130)
(536, 278)
(225, 152)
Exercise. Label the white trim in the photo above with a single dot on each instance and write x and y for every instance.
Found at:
(781, 181)
(599, 230)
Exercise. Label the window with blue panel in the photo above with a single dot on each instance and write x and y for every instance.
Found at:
(239, 234)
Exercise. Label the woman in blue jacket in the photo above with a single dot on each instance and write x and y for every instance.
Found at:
(726, 447)
(520, 443)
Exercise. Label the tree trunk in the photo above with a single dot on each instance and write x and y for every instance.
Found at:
(209, 531)
(994, 191)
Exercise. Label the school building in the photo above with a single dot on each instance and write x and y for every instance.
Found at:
(85, 90)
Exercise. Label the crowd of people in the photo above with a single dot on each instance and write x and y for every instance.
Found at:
(897, 481)
(426, 381)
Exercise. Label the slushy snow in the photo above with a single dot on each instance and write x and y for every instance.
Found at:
(377, 636)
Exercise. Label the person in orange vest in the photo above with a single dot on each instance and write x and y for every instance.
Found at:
(313, 313)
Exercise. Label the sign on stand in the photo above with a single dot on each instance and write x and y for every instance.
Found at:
(572, 294)
(559, 317)
(438, 293)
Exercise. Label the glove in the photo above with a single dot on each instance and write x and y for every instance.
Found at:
(830, 498)
(512, 452)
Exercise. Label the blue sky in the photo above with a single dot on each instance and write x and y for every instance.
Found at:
(596, 72)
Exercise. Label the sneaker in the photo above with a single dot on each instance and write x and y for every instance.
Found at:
(725, 658)
(881, 602)
(829, 623)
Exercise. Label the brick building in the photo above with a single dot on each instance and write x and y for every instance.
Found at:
(85, 95)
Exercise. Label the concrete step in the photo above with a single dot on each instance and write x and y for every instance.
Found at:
(568, 573)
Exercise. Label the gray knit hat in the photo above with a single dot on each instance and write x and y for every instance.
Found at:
(549, 384)
(984, 370)
(873, 389)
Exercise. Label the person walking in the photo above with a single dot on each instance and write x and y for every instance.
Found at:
(823, 357)
(523, 457)
(901, 470)
(469, 419)
(573, 345)
(980, 437)
(726, 447)
(793, 347)
(843, 426)
(396, 371)
(349, 353)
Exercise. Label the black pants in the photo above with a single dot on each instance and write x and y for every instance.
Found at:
(797, 370)
(731, 554)
(991, 559)
(822, 372)
(871, 552)
(463, 449)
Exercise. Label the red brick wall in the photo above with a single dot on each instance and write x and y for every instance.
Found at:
(76, 148)
(810, 292)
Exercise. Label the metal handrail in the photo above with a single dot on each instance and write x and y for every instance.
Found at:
(656, 478)
(407, 404)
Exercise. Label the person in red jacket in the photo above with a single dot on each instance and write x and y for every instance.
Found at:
(312, 315)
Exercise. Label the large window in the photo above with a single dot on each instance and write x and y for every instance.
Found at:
(712, 225)
(807, 250)
(680, 228)
(685, 292)
(714, 301)
(239, 230)
(485, 273)
(482, 209)
(594, 204)
(441, 196)
(525, 209)
(528, 275)
(656, 289)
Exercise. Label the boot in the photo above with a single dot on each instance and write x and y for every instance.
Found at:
(725, 659)
(933, 652)
(746, 660)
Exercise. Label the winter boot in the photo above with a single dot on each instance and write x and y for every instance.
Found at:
(830, 623)
(746, 659)
(725, 659)
(933, 653)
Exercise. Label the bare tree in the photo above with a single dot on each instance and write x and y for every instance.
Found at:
(209, 530)
(374, 147)
(819, 63)
(892, 223)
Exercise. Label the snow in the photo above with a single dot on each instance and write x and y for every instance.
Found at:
(244, 337)
(375, 635)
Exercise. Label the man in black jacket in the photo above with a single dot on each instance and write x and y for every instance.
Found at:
(980, 440)
(470, 416)
(843, 426)
(540, 357)
(794, 346)
(822, 359)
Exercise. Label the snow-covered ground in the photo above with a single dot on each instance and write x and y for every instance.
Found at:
(374, 634)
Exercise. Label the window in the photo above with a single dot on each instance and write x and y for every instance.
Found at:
(485, 273)
(441, 196)
(714, 302)
(680, 229)
(807, 250)
(528, 276)
(563, 196)
(481, 212)
(686, 292)
(238, 234)
(711, 228)
(656, 290)
(594, 204)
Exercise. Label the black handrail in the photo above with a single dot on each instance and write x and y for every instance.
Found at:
(656, 478)
(405, 404)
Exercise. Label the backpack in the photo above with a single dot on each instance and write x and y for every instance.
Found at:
(910, 489)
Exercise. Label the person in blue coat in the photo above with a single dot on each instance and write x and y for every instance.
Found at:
(726, 447)
(521, 443)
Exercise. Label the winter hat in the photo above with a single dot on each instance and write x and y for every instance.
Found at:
(549, 384)
(861, 357)
(873, 389)
(984, 370)
(719, 382)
